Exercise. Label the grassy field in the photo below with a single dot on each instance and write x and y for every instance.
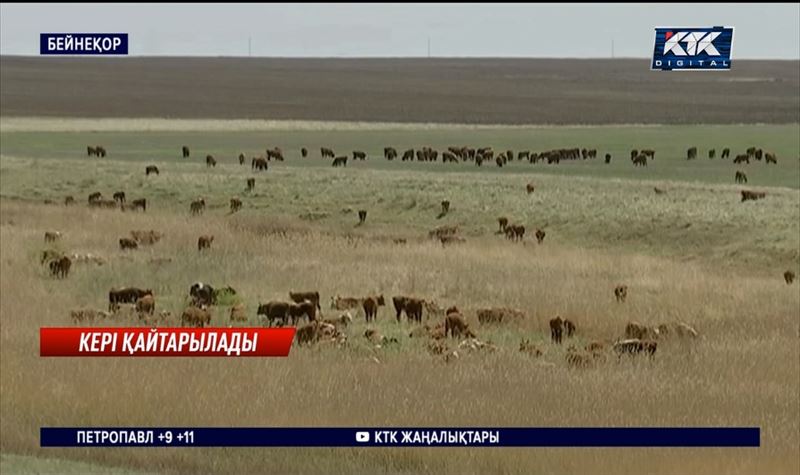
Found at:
(695, 254)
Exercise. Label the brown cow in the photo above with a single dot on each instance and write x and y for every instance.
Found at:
(300, 297)
(51, 236)
(621, 292)
(185, 151)
(60, 267)
(251, 184)
(362, 216)
(556, 329)
(150, 169)
(770, 158)
(740, 177)
(127, 243)
(340, 161)
(304, 152)
(238, 313)
(119, 197)
(529, 188)
(540, 235)
(371, 305)
(503, 221)
(139, 203)
(197, 206)
(259, 163)
(275, 311)
(305, 308)
(788, 276)
(411, 306)
(196, 316)
(445, 207)
(241, 159)
(69, 200)
(752, 195)
(210, 161)
(236, 205)
(569, 328)
(204, 242)
(455, 326)
(145, 305)
(125, 295)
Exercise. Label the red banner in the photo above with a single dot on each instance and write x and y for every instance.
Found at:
(165, 341)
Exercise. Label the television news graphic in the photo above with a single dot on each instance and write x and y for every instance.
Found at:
(693, 49)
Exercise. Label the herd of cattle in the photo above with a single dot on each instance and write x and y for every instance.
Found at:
(637, 339)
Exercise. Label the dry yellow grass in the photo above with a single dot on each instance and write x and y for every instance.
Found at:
(743, 372)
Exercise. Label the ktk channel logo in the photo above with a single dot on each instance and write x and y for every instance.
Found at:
(693, 49)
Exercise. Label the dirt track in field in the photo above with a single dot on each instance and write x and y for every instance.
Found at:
(496, 91)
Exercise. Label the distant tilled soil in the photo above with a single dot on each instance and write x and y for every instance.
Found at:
(496, 91)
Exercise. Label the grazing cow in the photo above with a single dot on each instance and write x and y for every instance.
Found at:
(259, 163)
(640, 160)
(326, 152)
(91, 151)
(197, 206)
(753, 195)
(236, 205)
(139, 203)
(362, 216)
(445, 207)
(389, 153)
(125, 295)
(635, 330)
(275, 153)
(556, 330)
(371, 305)
(569, 328)
(305, 308)
(411, 306)
(726, 153)
(635, 346)
(96, 196)
(59, 267)
(503, 222)
(621, 292)
(304, 152)
(540, 235)
(273, 311)
(788, 276)
(251, 184)
(515, 232)
(185, 151)
(758, 154)
(529, 188)
(202, 294)
(146, 237)
(649, 153)
(150, 169)
(210, 161)
(196, 317)
(712, 153)
(204, 242)
(525, 346)
(238, 313)
(145, 305)
(408, 155)
(241, 159)
(119, 197)
(455, 326)
(69, 200)
(770, 158)
(51, 236)
(127, 243)
(300, 297)
(740, 177)
(742, 158)
(87, 314)
(608, 158)
(359, 155)
(340, 161)
(691, 154)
